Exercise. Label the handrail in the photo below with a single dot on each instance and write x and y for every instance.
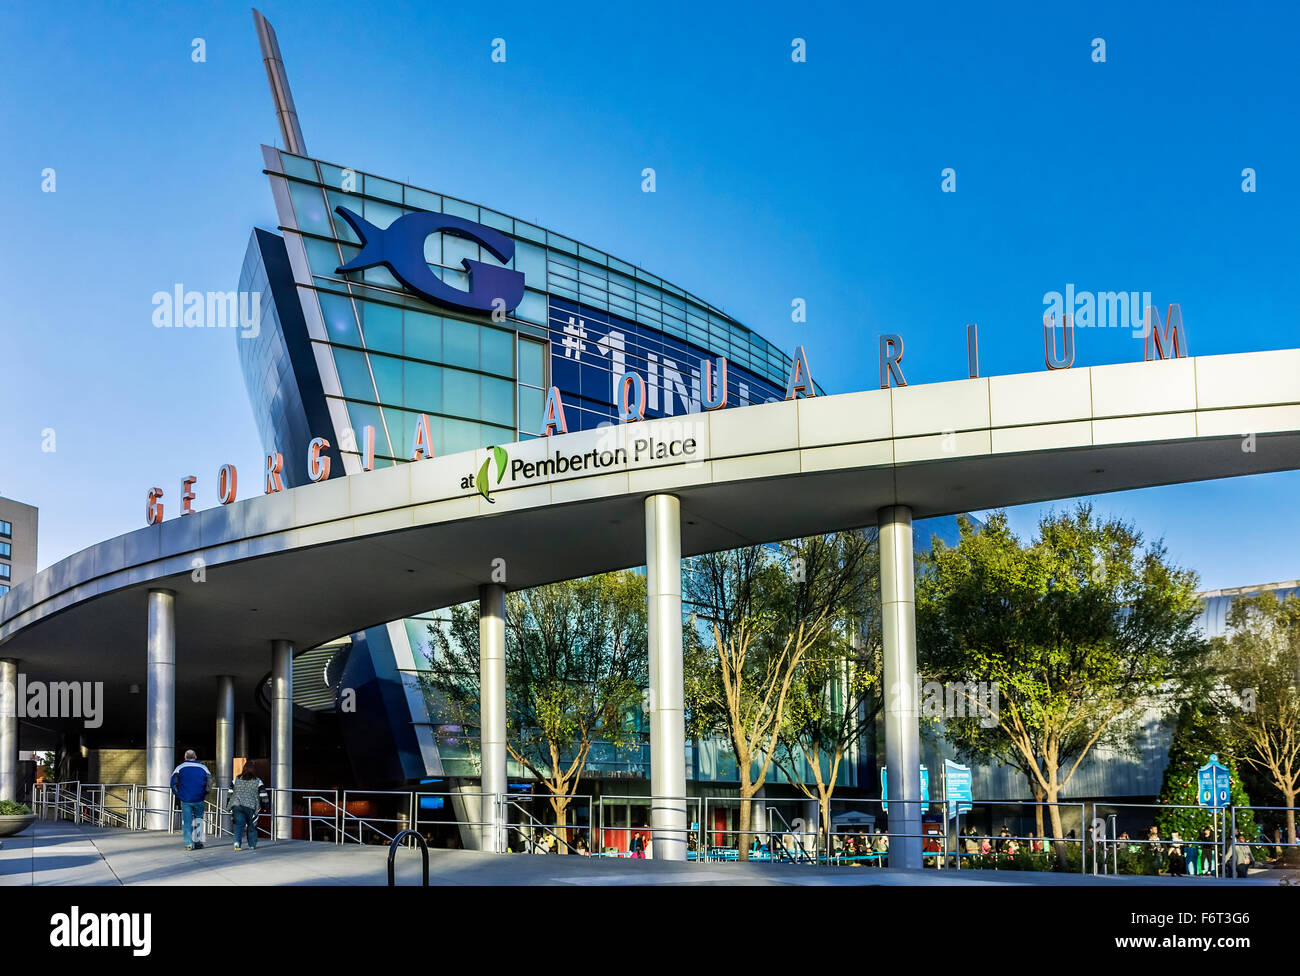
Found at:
(392, 853)
(779, 839)
(510, 802)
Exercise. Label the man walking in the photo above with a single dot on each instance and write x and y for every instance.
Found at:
(190, 783)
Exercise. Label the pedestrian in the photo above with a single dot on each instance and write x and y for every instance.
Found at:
(1207, 852)
(638, 845)
(190, 783)
(244, 806)
(1242, 856)
(1177, 862)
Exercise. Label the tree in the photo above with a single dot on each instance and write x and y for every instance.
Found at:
(740, 671)
(834, 698)
(1198, 734)
(1081, 630)
(1259, 664)
(575, 665)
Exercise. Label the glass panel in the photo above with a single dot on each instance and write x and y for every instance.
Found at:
(322, 257)
(340, 324)
(530, 232)
(460, 393)
(309, 206)
(460, 343)
(382, 327)
(388, 378)
(384, 189)
(493, 219)
(342, 229)
(532, 308)
(382, 277)
(381, 214)
(531, 261)
(333, 177)
(423, 335)
(460, 209)
(423, 200)
(423, 387)
(498, 352)
(531, 405)
(361, 416)
(299, 166)
(498, 402)
(459, 435)
(531, 358)
(354, 374)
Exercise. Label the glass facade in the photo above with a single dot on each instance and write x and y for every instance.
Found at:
(481, 379)
(339, 352)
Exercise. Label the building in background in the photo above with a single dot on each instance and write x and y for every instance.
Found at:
(17, 543)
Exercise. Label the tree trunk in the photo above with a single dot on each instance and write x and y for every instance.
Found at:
(825, 805)
(1288, 796)
(561, 820)
(1054, 814)
(1037, 792)
(746, 808)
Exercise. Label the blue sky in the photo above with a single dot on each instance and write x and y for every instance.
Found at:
(775, 180)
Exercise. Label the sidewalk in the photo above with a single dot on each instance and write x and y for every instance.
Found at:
(55, 853)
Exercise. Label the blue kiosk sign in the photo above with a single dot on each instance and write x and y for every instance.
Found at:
(957, 787)
(925, 789)
(1214, 784)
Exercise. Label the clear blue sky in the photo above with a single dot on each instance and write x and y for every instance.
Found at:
(775, 180)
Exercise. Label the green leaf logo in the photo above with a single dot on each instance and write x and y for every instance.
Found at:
(481, 481)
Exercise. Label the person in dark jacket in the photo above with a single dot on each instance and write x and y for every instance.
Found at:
(190, 783)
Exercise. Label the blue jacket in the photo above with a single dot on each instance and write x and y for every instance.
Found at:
(190, 782)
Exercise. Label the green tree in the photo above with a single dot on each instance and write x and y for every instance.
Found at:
(575, 665)
(745, 645)
(1199, 734)
(835, 696)
(1081, 630)
(1259, 691)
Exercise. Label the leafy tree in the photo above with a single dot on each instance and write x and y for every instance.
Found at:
(740, 670)
(1259, 695)
(1081, 629)
(835, 696)
(1198, 734)
(575, 664)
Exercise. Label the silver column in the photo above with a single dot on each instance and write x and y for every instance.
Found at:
(160, 708)
(282, 736)
(225, 736)
(8, 729)
(663, 559)
(225, 730)
(492, 710)
(243, 739)
(902, 729)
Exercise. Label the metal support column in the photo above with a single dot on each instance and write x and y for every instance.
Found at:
(492, 712)
(902, 728)
(663, 552)
(282, 737)
(160, 708)
(224, 772)
(8, 729)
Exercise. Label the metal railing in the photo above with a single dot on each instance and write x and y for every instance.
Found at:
(385, 816)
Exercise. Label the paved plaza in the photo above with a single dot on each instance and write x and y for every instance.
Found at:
(55, 853)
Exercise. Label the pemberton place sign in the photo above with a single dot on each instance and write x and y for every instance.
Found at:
(631, 387)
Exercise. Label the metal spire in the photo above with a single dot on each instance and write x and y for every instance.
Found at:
(285, 112)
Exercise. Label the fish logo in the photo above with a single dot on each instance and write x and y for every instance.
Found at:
(400, 248)
(499, 455)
